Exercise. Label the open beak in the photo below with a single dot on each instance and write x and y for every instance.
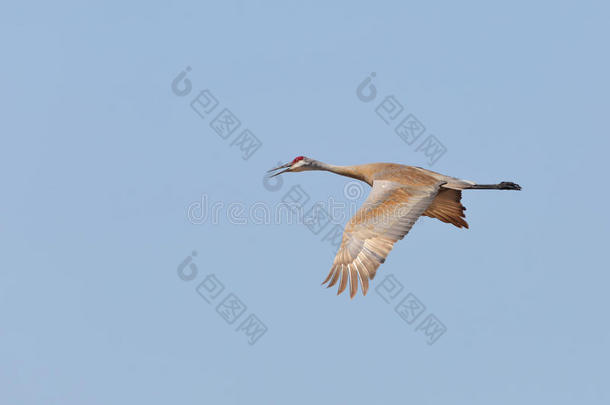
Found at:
(286, 167)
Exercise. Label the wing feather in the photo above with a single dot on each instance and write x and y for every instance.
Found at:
(447, 207)
(343, 282)
(385, 217)
(363, 273)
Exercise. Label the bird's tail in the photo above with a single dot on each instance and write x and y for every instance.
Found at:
(505, 185)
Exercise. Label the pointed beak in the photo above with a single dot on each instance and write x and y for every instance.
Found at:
(286, 167)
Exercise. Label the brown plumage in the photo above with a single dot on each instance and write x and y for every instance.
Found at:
(399, 196)
(447, 207)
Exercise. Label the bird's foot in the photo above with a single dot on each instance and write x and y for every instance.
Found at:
(508, 185)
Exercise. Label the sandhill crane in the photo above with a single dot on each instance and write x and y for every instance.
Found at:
(399, 196)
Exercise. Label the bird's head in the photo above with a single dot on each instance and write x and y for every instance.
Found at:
(298, 164)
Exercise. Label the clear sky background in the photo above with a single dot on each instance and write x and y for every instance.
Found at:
(100, 160)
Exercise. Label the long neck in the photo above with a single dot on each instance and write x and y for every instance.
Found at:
(348, 171)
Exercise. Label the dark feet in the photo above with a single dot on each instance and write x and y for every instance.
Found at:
(507, 185)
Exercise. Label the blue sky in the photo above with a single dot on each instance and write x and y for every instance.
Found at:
(101, 160)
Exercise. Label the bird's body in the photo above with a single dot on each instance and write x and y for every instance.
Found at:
(399, 196)
(401, 174)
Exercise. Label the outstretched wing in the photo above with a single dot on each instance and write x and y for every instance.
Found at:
(386, 216)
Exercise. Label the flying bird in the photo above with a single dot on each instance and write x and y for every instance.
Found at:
(399, 196)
